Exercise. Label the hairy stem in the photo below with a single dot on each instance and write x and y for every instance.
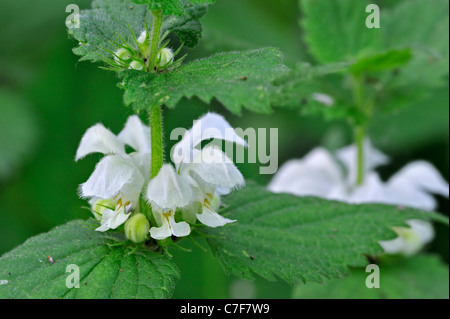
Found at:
(154, 42)
(156, 136)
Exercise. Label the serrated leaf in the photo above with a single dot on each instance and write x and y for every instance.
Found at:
(171, 7)
(420, 277)
(336, 30)
(110, 19)
(105, 272)
(236, 79)
(301, 238)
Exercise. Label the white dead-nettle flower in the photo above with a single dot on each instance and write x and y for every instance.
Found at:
(118, 178)
(168, 192)
(200, 174)
(320, 174)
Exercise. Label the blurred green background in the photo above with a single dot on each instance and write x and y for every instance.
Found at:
(48, 100)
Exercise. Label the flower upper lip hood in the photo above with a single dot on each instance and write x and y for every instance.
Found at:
(118, 175)
(209, 126)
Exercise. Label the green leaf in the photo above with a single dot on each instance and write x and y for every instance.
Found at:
(105, 271)
(301, 238)
(110, 19)
(169, 7)
(336, 30)
(381, 62)
(420, 277)
(236, 79)
(423, 28)
(296, 88)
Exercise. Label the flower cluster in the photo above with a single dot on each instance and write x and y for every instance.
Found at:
(178, 196)
(135, 56)
(320, 174)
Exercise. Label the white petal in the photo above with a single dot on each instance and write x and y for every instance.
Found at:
(132, 190)
(168, 190)
(372, 159)
(161, 232)
(394, 246)
(169, 227)
(215, 168)
(410, 197)
(136, 134)
(198, 186)
(423, 229)
(99, 139)
(110, 176)
(209, 126)
(181, 229)
(314, 175)
(410, 240)
(142, 161)
(212, 219)
(423, 176)
(372, 191)
(112, 219)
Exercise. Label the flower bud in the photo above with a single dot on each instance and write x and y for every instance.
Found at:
(122, 55)
(144, 44)
(136, 65)
(165, 57)
(137, 228)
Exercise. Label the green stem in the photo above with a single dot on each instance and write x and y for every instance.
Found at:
(156, 137)
(359, 129)
(156, 35)
(359, 140)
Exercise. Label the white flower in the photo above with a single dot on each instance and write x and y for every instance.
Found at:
(211, 171)
(118, 176)
(410, 240)
(199, 175)
(167, 192)
(320, 174)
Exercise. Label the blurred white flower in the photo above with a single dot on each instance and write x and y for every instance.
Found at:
(118, 176)
(333, 176)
